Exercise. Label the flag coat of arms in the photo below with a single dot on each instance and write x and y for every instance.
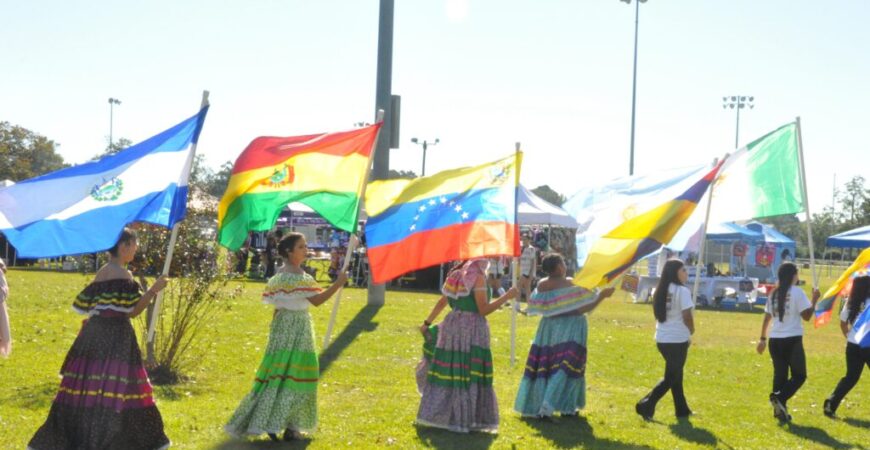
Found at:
(453, 215)
(82, 209)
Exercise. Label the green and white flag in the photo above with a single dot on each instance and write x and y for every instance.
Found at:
(761, 179)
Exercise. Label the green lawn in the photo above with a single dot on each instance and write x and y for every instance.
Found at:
(368, 397)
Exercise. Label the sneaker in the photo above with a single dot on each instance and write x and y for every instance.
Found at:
(273, 437)
(829, 408)
(641, 409)
(779, 410)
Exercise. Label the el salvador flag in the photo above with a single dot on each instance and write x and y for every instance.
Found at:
(82, 209)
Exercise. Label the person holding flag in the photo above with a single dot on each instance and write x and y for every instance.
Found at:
(284, 395)
(105, 398)
(459, 375)
(787, 306)
(554, 378)
(856, 356)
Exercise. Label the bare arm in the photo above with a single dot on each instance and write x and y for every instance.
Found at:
(319, 299)
(689, 320)
(600, 298)
(762, 343)
(807, 314)
(480, 298)
(148, 296)
(436, 311)
(845, 327)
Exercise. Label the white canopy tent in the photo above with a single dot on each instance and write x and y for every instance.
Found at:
(533, 210)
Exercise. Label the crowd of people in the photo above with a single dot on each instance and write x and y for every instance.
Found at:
(105, 398)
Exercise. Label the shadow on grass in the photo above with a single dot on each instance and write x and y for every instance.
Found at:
(571, 432)
(360, 323)
(238, 444)
(816, 435)
(32, 397)
(686, 431)
(858, 423)
(438, 438)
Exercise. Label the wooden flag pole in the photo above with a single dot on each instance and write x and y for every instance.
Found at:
(806, 204)
(516, 264)
(173, 237)
(354, 239)
(351, 246)
(703, 242)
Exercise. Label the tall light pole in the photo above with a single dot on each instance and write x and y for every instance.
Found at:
(738, 102)
(425, 145)
(634, 82)
(112, 103)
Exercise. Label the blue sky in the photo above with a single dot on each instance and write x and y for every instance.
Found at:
(477, 74)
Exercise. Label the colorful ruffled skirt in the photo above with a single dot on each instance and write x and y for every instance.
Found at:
(284, 395)
(455, 378)
(554, 378)
(105, 398)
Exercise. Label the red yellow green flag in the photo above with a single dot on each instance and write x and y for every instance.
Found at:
(324, 171)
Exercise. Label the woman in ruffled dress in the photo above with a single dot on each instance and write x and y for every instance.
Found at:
(457, 392)
(105, 398)
(284, 395)
(554, 379)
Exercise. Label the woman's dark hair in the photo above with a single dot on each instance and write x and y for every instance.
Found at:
(859, 294)
(288, 243)
(784, 276)
(660, 298)
(551, 262)
(127, 235)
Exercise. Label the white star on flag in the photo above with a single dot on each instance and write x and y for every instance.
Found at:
(432, 202)
(465, 215)
(416, 218)
(422, 208)
(458, 208)
(413, 227)
(443, 199)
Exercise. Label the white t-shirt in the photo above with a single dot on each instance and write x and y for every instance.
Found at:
(527, 258)
(844, 316)
(673, 330)
(795, 302)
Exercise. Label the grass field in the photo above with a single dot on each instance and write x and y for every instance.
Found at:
(368, 398)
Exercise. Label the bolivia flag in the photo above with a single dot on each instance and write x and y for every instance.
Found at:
(452, 215)
(324, 171)
(841, 288)
(639, 236)
(761, 179)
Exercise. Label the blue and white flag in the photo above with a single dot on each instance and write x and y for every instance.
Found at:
(862, 328)
(82, 209)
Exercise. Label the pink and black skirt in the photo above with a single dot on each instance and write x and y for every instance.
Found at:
(105, 399)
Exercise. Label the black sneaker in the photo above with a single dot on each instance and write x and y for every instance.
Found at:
(829, 408)
(273, 437)
(641, 409)
(779, 410)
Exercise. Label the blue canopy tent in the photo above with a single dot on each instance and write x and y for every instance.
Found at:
(730, 242)
(857, 238)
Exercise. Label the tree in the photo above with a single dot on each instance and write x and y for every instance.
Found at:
(216, 183)
(392, 174)
(548, 194)
(25, 154)
(114, 147)
(855, 202)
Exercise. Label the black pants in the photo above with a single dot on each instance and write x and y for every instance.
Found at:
(788, 354)
(856, 358)
(675, 360)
